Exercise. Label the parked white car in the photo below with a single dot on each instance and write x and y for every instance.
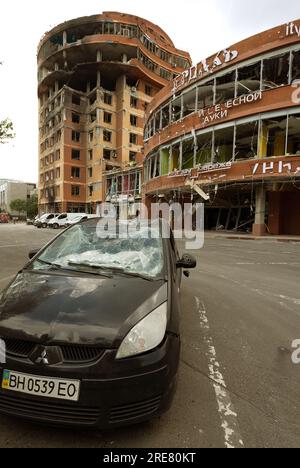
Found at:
(80, 218)
(44, 220)
(62, 220)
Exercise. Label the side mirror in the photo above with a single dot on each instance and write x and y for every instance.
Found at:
(188, 262)
(33, 253)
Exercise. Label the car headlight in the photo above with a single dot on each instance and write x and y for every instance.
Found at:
(146, 335)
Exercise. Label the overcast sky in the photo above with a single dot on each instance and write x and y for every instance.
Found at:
(198, 26)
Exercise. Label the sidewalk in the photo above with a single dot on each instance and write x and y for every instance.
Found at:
(240, 236)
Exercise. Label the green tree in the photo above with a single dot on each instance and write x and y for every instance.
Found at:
(32, 207)
(6, 131)
(19, 206)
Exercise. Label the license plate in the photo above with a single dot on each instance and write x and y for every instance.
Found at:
(49, 387)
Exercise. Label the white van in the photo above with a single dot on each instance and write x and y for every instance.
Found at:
(62, 220)
(44, 220)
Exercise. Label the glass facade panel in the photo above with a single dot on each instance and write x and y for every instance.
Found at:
(273, 137)
(249, 79)
(296, 66)
(225, 87)
(246, 140)
(293, 143)
(189, 102)
(276, 71)
(205, 95)
(204, 149)
(188, 153)
(223, 145)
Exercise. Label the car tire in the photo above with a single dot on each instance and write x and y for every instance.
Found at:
(55, 226)
(44, 225)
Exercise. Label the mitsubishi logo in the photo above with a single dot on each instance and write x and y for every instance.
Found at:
(43, 358)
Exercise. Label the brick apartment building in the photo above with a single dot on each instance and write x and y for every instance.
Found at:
(96, 78)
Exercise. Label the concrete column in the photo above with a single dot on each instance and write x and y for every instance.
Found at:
(124, 58)
(56, 86)
(88, 87)
(65, 38)
(98, 79)
(99, 56)
(259, 227)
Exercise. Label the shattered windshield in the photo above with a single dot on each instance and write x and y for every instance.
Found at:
(81, 247)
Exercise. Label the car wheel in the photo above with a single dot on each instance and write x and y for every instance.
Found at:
(44, 225)
(55, 226)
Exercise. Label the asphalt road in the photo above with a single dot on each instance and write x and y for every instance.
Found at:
(237, 386)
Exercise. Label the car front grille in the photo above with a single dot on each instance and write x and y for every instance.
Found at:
(72, 354)
(127, 413)
(52, 412)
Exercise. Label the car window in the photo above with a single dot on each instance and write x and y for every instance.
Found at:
(81, 244)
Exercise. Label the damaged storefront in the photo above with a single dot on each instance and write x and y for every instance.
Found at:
(230, 137)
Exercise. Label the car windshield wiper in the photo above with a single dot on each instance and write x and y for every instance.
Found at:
(94, 268)
(112, 269)
(53, 265)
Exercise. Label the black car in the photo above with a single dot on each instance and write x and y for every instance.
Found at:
(91, 328)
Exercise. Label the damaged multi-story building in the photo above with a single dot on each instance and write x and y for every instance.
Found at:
(227, 133)
(96, 77)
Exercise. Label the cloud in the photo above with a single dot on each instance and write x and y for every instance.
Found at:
(200, 27)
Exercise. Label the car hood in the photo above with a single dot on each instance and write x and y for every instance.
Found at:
(94, 310)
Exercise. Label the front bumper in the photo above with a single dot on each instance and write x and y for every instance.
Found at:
(112, 394)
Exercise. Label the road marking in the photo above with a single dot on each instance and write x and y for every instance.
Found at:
(227, 413)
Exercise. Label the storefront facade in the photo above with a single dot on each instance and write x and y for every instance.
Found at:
(227, 132)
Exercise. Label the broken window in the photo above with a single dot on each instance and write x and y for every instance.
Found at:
(93, 99)
(249, 79)
(165, 116)
(75, 172)
(91, 136)
(225, 87)
(175, 157)
(75, 190)
(76, 154)
(148, 90)
(75, 118)
(90, 172)
(90, 190)
(107, 136)
(273, 137)
(93, 117)
(155, 166)
(189, 102)
(90, 153)
(132, 156)
(246, 140)
(133, 102)
(296, 66)
(294, 134)
(75, 99)
(133, 138)
(133, 120)
(206, 95)
(276, 71)
(223, 145)
(204, 149)
(75, 136)
(107, 99)
(107, 117)
(176, 109)
(106, 154)
(188, 153)
(157, 121)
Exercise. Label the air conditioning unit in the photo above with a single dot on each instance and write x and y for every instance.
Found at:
(133, 89)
